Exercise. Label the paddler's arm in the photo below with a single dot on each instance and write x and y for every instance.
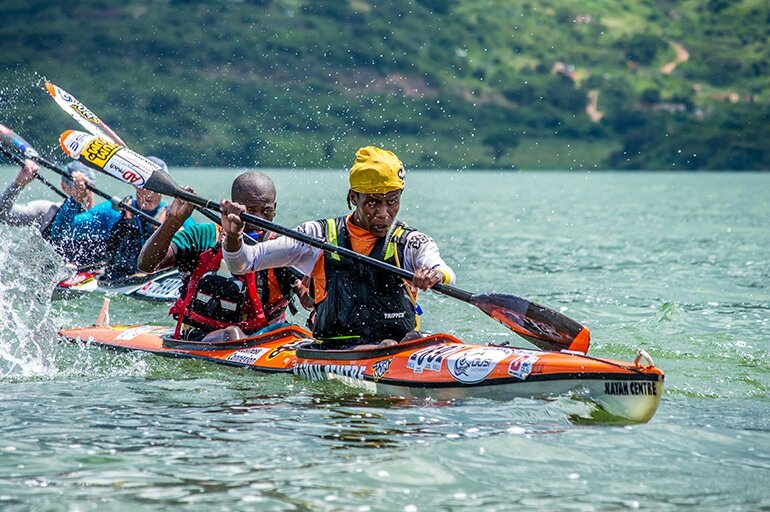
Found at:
(280, 252)
(422, 257)
(157, 252)
(17, 214)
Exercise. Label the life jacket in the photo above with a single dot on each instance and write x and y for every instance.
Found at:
(211, 301)
(363, 304)
(125, 242)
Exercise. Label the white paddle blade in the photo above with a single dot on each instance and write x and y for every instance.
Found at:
(82, 114)
(116, 160)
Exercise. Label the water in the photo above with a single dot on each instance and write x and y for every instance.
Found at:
(676, 264)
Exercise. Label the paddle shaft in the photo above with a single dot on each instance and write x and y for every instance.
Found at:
(19, 160)
(176, 191)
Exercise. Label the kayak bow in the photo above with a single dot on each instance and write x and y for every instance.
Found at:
(161, 286)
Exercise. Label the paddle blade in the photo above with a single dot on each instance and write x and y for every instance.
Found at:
(82, 114)
(111, 158)
(14, 144)
(544, 327)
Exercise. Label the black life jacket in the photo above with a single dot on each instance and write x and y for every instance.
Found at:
(363, 304)
(125, 242)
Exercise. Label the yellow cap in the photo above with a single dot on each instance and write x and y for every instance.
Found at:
(376, 171)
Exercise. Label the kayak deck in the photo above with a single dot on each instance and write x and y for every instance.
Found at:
(439, 366)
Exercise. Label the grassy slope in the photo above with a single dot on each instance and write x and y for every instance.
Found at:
(295, 82)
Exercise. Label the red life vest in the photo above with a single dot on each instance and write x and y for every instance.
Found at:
(254, 316)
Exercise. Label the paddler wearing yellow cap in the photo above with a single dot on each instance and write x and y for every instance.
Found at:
(355, 305)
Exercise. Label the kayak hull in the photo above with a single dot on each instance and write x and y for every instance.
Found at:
(439, 366)
(158, 287)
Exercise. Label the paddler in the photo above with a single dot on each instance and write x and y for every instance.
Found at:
(129, 234)
(107, 234)
(355, 305)
(42, 214)
(215, 305)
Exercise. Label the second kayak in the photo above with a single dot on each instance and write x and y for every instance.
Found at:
(161, 286)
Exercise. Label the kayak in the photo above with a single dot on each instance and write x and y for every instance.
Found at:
(438, 366)
(158, 287)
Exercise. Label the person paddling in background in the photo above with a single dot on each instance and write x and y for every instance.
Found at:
(355, 305)
(129, 234)
(41, 213)
(107, 234)
(214, 305)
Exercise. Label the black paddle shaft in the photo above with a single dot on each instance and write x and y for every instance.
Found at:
(163, 184)
(19, 160)
(545, 327)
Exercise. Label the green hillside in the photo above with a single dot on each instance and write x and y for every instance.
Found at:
(445, 83)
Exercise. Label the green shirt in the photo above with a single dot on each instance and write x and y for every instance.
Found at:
(191, 242)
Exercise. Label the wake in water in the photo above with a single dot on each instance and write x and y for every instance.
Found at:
(29, 270)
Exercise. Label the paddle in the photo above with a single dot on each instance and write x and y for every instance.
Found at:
(17, 149)
(28, 151)
(82, 114)
(542, 326)
(91, 122)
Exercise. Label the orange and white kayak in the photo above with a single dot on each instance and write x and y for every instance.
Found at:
(439, 366)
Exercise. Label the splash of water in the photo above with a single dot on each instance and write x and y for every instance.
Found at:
(29, 270)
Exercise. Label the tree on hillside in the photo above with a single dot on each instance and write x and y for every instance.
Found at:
(642, 48)
(501, 139)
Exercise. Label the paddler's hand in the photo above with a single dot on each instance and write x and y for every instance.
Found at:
(79, 192)
(425, 278)
(232, 224)
(26, 174)
(180, 211)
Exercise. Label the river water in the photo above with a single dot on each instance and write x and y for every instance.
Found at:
(677, 264)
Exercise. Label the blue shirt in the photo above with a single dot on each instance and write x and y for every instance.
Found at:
(83, 234)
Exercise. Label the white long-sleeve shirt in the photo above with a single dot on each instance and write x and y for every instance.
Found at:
(420, 251)
(38, 213)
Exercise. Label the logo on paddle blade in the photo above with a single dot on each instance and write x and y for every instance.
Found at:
(99, 151)
(132, 177)
(83, 111)
(73, 142)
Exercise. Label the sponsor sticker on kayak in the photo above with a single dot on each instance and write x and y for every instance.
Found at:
(522, 366)
(630, 388)
(474, 365)
(431, 358)
(380, 368)
(162, 289)
(316, 371)
(287, 347)
(247, 355)
(130, 334)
